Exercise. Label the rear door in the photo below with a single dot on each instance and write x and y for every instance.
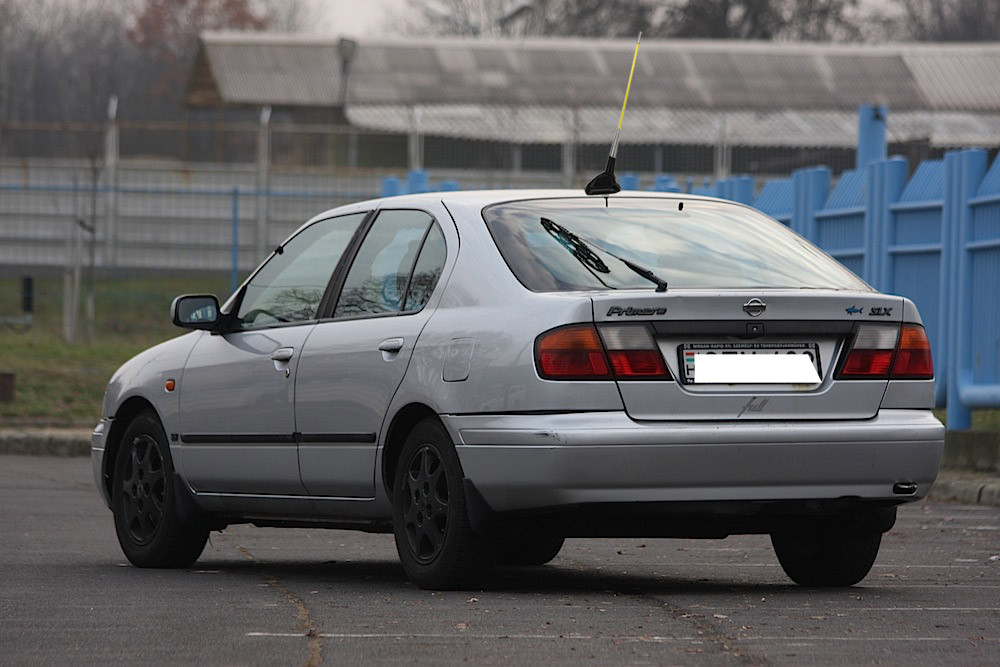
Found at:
(354, 361)
(815, 325)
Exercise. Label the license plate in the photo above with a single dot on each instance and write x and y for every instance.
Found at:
(751, 363)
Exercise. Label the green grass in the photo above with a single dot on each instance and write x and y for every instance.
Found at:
(62, 384)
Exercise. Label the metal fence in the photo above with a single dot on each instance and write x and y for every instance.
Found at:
(933, 237)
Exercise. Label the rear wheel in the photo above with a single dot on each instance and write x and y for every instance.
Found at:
(435, 541)
(149, 528)
(529, 548)
(832, 556)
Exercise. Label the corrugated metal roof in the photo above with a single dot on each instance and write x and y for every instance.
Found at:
(642, 126)
(684, 91)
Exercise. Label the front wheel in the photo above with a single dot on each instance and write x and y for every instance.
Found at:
(827, 557)
(436, 543)
(149, 527)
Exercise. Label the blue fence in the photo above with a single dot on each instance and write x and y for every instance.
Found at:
(933, 237)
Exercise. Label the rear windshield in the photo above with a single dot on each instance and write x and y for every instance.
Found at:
(580, 244)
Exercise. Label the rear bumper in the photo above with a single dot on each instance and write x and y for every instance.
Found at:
(520, 462)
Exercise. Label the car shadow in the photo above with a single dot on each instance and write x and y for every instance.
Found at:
(552, 578)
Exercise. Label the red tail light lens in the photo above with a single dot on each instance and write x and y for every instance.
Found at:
(571, 353)
(633, 353)
(913, 358)
(579, 352)
(867, 363)
(872, 352)
(882, 351)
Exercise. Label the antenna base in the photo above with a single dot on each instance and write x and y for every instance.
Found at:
(604, 183)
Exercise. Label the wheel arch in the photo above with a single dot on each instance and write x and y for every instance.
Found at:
(402, 423)
(127, 411)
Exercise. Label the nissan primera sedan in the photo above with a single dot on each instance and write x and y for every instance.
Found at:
(485, 374)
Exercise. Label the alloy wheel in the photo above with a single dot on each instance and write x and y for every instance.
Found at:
(425, 504)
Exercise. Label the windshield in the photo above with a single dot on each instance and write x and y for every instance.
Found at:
(688, 243)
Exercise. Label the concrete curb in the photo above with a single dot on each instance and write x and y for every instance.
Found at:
(966, 487)
(972, 450)
(45, 442)
(970, 485)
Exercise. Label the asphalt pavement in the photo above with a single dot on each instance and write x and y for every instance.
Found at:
(301, 597)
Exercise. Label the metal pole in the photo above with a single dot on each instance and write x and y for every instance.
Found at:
(263, 180)
(234, 277)
(111, 169)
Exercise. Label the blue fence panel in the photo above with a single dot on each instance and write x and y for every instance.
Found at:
(840, 226)
(739, 189)
(979, 273)
(776, 200)
(665, 183)
(914, 264)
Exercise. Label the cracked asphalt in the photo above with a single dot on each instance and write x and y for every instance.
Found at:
(301, 597)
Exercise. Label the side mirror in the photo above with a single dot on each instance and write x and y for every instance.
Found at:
(195, 311)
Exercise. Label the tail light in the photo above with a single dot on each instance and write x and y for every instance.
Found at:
(633, 352)
(579, 352)
(880, 351)
(571, 353)
(913, 356)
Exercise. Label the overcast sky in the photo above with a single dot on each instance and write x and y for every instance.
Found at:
(359, 18)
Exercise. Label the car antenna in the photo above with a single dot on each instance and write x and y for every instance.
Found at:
(604, 183)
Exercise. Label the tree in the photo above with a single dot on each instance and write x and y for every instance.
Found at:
(717, 19)
(167, 33)
(951, 20)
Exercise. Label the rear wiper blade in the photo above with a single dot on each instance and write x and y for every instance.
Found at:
(581, 249)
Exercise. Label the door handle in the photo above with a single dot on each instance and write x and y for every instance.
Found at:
(391, 345)
(282, 354)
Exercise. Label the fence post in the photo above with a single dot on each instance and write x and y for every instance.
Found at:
(111, 184)
(263, 181)
(964, 170)
(234, 276)
(871, 135)
(886, 180)
(810, 189)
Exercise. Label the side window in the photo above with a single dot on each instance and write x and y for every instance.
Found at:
(380, 275)
(289, 287)
(430, 263)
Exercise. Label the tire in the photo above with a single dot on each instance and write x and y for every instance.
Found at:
(436, 543)
(835, 556)
(529, 548)
(145, 506)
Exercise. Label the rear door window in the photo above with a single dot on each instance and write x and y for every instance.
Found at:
(396, 267)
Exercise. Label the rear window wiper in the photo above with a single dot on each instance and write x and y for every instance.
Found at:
(581, 249)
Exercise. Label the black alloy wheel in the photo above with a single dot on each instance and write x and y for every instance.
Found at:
(425, 504)
(434, 538)
(151, 530)
(143, 489)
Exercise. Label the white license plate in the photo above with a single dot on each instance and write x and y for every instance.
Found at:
(750, 363)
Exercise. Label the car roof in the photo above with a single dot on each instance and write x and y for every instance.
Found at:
(483, 198)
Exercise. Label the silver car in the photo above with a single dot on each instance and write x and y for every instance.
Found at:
(487, 373)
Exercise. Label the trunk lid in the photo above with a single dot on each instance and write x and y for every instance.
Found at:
(819, 324)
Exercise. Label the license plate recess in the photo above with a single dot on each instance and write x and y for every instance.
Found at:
(688, 354)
